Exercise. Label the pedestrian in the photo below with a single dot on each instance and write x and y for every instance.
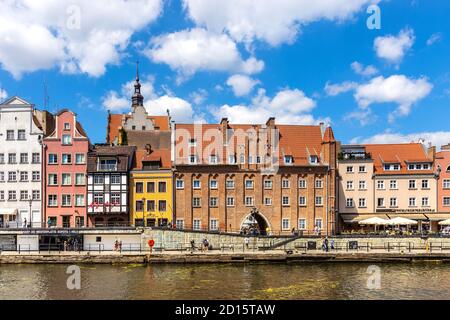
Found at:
(25, 222)
(332, 244)
(65, 245)
(116, 245)
(206, 244)
(326, 244)
(246, 241)
(120, 245)
(192, 245)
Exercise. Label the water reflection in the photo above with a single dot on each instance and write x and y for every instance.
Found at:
(302, 281)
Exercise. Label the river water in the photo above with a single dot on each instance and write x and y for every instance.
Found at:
(265, 281)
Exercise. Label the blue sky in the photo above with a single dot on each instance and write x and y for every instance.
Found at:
(302, 62)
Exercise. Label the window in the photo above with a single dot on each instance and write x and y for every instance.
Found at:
(213, 184)
(52, 200)
(79, 200)
(151, 205)
(380, 185)
(302, 184)
(66, 179)
(446, 201)
(250, 159)
(36, 176)
(115, 198)
(162, 187)
(393, 184)
(230, 184)
(446, 184)
(12, 158)
(349, 169)
(9, 135)
(162, 206)
(197, 224)
(419, 166)
(180, 184)
(319, 184)
(213, 159)
(380, 202)
(80, 179)
(192, 159)
(392, 167)
(66, 126)
(2, 158)
(288, 160)
(21, 135)
(140, 206)
(230, 202)
(313, 159)
(36, 158)
(302, 224)
(66, 200)
(412, 184)
(412, 202)
(362, 169)
(98, 198)
(268, 184)
(393, 202)
(319, 201)
(139, 187)
(12, 195)
(232, 159)
(349, 203)
(425, 184)
(192, 142)
(285, 224)
(23, 158)
(362, 185)
(248, 184)
(23, 195)
(267, 201)
(99, 179)
(12, 176)
(425, 202)
(66, 139)
(23, 176)
(115, 179)
(285, 201)
(349, 185)
(80, 158)
(249, 201)
(285, 184)
(213, 202)
(108, 165)
(2, 176)
(196, 202)
(36, 195)
(179, 224)
(52, 158)
(302, 201)
(318, 224)
(362, 203)
(196, 184)
(242, 159)
(2, 195)
(214, 225)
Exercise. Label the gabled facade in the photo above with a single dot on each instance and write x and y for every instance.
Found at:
(20, 165)
(265, 178)
(443, 169)
(66, 150)
(108, 185)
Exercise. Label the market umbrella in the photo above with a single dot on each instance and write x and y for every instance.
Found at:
(445, 222)
(399, 221)
(375, 221)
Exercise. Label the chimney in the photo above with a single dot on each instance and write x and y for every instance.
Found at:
(432, 153)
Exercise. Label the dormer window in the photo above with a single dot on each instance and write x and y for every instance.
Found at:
(66, 126)
(108, 165)
(419, 166)
(392, 167)
(288, 160)
(313, 159)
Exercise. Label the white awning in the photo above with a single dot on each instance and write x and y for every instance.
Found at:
(7, 212)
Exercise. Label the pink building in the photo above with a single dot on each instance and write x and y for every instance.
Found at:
(65, 175)
(443, 166)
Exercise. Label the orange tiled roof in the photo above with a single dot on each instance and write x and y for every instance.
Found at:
(402, 154)
(162, 155)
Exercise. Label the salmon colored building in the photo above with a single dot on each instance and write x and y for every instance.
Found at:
(65, 164)
(443, 168)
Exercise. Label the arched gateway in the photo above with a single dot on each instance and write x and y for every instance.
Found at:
(255, 223)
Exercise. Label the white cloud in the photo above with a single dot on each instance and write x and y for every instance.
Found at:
(3, 94)
(288, 106)
(393, 48)
(435, 37)
(199, 96)
(190, 51)
(242, 85)
(338, 88)
(438, 138)
(395, 89)
(272, 21)
(76, 36)
(365, 71)
(180, 110)
(364, 117)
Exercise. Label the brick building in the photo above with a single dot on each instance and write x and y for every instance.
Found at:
(266, 177)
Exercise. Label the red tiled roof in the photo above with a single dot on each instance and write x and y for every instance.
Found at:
(162, 155)
(398, 153)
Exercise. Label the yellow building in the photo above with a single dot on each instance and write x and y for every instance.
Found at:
(151, 188)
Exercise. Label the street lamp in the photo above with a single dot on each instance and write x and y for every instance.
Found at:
(30, 202)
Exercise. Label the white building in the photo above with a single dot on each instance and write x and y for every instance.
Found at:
(20, 165)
